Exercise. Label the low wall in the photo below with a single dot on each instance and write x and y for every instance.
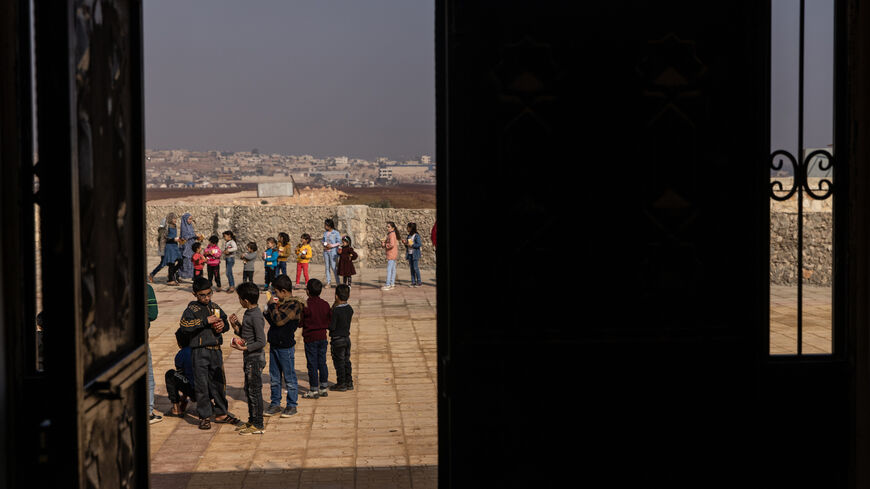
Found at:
(365, 225)
(817, 245)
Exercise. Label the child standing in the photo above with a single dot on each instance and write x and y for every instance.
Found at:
(251, 330)
(331, 241)
(283, 313)
(197, 259)
(413, 243)
(283, 253)
(303, 257)
(212, 255)
(202, 324)
(248, 259)
(315, 321)
(271, 258)
(339, 339)
(391, 244)
(346, 256)
(230, 249)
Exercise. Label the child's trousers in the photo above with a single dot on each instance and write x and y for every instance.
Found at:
(177, 386)
(270, 275)
(341, 359)
(253, 366)
(315, 356)
(214, 274)
(209, 381)
(301, 268)
(282, 371)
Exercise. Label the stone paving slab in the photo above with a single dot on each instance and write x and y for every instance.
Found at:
(817, 332)
(383, 434)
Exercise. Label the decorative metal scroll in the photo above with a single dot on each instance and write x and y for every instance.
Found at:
(801, 175)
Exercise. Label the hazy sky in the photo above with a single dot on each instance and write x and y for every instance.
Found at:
(357, 77)
(320, 77)
(818, 74)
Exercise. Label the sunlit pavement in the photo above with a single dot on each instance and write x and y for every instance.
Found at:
(383, 434)
(816, 331)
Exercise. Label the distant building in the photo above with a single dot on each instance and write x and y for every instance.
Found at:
(407, 173)
(276, 189)
(426, 160)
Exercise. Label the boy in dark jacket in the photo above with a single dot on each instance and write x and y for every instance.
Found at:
(315, 321)
(253, 340)
(339, 338)
(203, 322)
(283, 313)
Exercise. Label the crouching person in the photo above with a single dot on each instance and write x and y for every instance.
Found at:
(180, 383)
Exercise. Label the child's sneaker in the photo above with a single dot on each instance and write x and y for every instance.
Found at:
(323, 392)
(242, 426)
(311, 395)
(251, 430)
(154, 418)
(272, 410)
(288, 411)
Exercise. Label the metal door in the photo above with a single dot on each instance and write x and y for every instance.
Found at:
(81, 421)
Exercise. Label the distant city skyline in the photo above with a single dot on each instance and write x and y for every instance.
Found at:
(322, 78)
(324, 156)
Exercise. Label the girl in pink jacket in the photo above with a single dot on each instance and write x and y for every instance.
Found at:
(391, 244)
(212, 255)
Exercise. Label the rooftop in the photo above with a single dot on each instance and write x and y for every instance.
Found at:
(383, 434)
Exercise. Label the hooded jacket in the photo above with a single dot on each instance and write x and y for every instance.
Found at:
(283, 318)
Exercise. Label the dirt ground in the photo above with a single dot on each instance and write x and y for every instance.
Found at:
(408, 196)
(405, 196)
(304, 196)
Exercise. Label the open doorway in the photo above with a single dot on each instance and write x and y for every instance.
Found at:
(278, 118)
(802, 178)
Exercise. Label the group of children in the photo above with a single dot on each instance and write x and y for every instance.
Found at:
(199, 372)
(275, 258)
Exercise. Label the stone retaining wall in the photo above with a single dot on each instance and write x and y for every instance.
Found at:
(818, 242)
(365, 225)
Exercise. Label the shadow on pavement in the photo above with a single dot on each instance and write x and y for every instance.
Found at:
(417, 476)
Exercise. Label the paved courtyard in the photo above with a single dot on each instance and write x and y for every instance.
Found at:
(383, 434)
(816, 319)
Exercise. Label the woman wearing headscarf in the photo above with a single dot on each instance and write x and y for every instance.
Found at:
(189, 236)
(161, 245)
(171, 251)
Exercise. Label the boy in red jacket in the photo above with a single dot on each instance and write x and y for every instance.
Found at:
(315, 321)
